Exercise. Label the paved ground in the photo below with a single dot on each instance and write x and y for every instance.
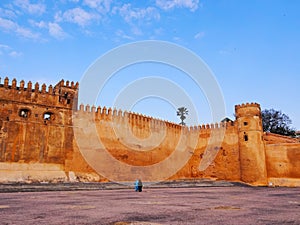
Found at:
(219, 204)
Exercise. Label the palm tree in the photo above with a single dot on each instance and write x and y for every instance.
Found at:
(181, 112)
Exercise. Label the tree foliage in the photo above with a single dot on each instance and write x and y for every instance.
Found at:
(182, 112)
(275, 121)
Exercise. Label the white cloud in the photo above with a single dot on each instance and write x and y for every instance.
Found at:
(5, 47)
(121, 34)
(7, 25)
(40, 24)
(12, 27)
(15, 54)
(102, 6)
(199, 35)
(30, 8)
(130, 14)
(77, 16)
(192, 5)
(24, 32)
(56, 31)
(7, 13)
(54, 28)
(7, 50)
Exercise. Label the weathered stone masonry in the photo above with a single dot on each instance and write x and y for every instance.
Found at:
(37, 141)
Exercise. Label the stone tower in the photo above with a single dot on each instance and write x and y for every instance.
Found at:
(251, 145)
(36, 121)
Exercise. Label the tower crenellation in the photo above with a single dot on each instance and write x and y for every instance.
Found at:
(62, 95)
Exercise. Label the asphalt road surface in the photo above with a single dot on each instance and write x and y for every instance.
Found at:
(196, 205)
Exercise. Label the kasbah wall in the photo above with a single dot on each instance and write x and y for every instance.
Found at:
(37, 141)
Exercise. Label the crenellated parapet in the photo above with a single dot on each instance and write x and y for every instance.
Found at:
(243, 105)
(248, 109)
(64, 94)
(67, 84)
(109, 114)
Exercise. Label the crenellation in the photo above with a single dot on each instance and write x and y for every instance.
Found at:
(129, 116)
(36, 87)
(81, 108)
(43, 88)
(115, 112)
(103, 114)
(6, 80)
(120, 113)
(243, 105)
(50, 89)
(14, 84)
(109, 113)
(136, 118)
(22, 85)
(87, 108)
(29, 86)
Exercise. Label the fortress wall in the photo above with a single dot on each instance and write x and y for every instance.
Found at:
(283, 164)
(226, 164)
(130, 138)
(138, 140)
(40, 139)
(114, 126)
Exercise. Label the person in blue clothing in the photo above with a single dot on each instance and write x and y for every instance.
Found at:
(138, 185)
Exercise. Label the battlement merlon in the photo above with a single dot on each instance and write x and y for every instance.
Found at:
(63, 94)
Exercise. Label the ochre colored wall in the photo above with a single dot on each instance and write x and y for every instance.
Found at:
(33, 148)
(143, 141)
(283, 160)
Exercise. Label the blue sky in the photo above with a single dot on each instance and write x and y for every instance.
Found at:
(252, 47)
